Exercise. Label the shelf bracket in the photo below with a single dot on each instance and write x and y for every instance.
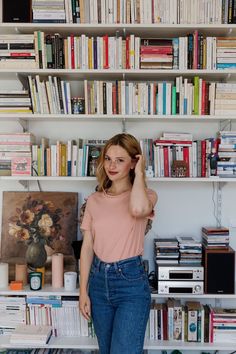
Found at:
(218, 209)
(123, 125)
(225, 124)
(16, 29)
(24, 124)
(218, 302)
(25, 184)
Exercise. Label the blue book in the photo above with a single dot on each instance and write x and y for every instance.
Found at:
(164, 97)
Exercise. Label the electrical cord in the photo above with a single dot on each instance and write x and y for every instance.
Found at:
(152, 281)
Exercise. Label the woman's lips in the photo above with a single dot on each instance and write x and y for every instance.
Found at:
(112, 173)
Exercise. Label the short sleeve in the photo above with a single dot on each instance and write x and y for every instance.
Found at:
(152, 196)
(87, 218)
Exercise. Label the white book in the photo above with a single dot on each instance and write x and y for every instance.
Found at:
(33, 334)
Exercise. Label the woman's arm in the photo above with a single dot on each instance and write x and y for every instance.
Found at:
(86, 258)
(140, 204)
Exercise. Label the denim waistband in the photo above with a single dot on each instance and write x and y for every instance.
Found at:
(99, 263)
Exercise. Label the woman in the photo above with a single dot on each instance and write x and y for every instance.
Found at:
(114, 288)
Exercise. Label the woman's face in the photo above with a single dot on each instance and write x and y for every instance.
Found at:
(117, 163)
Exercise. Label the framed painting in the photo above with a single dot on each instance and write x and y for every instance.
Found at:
(48, 219)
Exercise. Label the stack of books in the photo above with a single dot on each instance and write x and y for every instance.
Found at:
(31, 334)
(225, 53)
(166, 250)
(190, 250)
(222, 325)
(15, 101)
(15, 154)
(225, 101)
(156, 53)
(12, 313)
(49, 11)
(215, 237)
(226, 166)
(18, 51)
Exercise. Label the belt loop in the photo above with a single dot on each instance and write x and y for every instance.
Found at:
(116, 266)
(97, 262)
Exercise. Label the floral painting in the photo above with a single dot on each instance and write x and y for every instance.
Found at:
(45, 218)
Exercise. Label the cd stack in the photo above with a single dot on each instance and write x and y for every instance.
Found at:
(190, 250)
(215, 237)
(166, 250)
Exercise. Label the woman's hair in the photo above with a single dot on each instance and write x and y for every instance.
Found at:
(127, 142)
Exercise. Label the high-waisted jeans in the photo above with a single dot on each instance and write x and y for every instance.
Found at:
(120, 304)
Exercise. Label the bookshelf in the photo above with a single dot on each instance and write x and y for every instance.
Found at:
(196, 193)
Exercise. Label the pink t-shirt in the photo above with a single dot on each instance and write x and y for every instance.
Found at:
(117, 234)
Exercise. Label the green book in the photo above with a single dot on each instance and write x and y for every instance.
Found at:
(173, 101)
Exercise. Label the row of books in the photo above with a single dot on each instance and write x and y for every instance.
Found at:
(176, 322)
(182, 96)
(52, 51)
(134, 11)
(194, 51)
(20, 155)
(59, 312)
(194, 154)
(197, 51)
(191, 322)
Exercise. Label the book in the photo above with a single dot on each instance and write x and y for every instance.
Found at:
(31, 334)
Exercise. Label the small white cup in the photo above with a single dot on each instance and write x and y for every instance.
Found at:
(70, 279)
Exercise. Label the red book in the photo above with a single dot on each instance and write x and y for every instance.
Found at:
(156, 50)
(186, 159)
(173, 142)
(105, 52)
(165, 322)
(166, 161)
(203, 103)
(203, 153)
(72, 38)
(195, 49)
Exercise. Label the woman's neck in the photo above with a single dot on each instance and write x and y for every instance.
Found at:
(119, 188)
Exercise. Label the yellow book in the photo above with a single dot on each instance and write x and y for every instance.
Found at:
(63, 160)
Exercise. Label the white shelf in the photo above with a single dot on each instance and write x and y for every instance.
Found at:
(48, 290)
(196, 296)
(91, 344)
(156, 30)
(189, 346)
(151, 74)
(113, 117)
(91, 179)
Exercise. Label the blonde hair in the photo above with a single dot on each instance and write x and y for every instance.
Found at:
(129, 143)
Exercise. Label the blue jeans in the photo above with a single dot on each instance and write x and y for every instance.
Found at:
(120, 305)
